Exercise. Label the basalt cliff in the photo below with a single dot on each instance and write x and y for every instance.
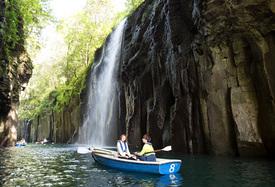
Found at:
(197, 74)
(201, 75)
(15, 72)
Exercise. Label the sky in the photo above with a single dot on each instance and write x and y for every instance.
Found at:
(52, 42)
(66, 8)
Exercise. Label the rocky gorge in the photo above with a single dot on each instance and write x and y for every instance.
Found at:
(196, 74)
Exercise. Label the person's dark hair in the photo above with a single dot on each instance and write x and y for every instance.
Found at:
(147, 137)
(120, 137)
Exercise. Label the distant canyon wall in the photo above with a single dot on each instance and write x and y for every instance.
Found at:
(196, 74)
(56, 126)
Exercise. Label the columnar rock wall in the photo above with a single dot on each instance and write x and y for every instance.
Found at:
(234, 51)
(59, 127)
(199, 75)
(159, 90)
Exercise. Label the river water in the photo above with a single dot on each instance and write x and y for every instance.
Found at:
(60, 165)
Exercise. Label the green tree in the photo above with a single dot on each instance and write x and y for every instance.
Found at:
(132, 5)
(55, 83)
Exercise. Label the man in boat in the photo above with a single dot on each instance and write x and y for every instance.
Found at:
(147, 153)
(122, 147)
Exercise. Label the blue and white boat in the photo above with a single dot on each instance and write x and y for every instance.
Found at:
(20, 145)
(161, 166)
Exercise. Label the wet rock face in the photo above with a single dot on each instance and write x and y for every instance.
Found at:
(199, 75)
(236, 42)
(159, 82)
(13, 79)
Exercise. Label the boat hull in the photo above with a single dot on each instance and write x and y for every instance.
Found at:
(20, 145)
(162, 166)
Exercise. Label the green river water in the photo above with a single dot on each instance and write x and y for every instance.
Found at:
(60, 165)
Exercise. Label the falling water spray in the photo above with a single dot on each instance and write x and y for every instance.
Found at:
(99, 126)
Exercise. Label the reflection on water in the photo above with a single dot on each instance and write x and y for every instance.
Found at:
(60, 165)
(172, 179)
(227, 171)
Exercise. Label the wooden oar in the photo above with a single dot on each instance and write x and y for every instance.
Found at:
(86, 150)
(167, 148)
(103, 150)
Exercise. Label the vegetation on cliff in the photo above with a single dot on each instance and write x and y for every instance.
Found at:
(55, 83)
(19, 20)
(23, 18)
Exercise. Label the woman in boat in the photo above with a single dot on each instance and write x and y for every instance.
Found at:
(122, 147)
(147, 152)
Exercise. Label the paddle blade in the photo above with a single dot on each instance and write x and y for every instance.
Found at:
(83, 150)
(167, 148)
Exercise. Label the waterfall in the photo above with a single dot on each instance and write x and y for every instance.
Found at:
(99, 125)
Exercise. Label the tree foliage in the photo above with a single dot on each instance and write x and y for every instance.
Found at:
(132, 5)
(55, 83)
(22, 17)
(35, 14)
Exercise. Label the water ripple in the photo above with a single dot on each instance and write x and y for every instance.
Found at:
(60, 165)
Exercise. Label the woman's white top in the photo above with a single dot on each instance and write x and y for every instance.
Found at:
(122, 148)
